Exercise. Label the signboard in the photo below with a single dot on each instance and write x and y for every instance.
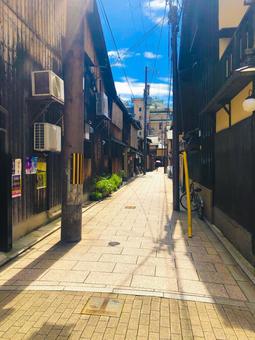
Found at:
(17, 166)
(16, 178)
(41, 175)
(31, 165)
(16, 186)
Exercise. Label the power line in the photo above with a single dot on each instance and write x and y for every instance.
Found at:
(116, 47)
(143, 26)
(144, 36)
(159, 43)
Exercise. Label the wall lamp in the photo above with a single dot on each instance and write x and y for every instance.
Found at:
(249, 103)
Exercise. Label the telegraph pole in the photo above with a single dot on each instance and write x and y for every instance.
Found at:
(72, 188)
(145, 98)
(173, 23)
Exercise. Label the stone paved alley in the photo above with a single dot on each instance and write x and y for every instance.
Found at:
(134, 248)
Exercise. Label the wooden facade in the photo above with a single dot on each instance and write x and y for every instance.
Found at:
(31, 39)
(215, 44)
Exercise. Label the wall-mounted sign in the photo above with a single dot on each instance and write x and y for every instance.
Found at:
(16, 178)
(41, 175)
(16, 186)
(17, 166)
(31, 165)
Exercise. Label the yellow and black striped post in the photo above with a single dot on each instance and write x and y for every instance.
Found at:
(77, 161)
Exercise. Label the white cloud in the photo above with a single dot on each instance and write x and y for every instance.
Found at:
(131, 80)
(124, 53)
(164, 79)
(154, 10)
(117, 64)
(151, 55)
(156, 4)
(159, 90)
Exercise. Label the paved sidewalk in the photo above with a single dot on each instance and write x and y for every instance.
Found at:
(133, 243)
(58, 315)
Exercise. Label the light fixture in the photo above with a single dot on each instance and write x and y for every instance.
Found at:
(249, 103)
(248, 65)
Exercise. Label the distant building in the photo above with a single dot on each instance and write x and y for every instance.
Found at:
(139, 114)
(159, 125)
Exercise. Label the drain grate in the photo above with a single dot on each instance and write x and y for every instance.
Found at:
(103, 307)
(130, 207)
(113, 244)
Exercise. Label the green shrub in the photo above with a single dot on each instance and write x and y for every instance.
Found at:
(117, 180)
(113, 185)
(96, 196)
(105, 187)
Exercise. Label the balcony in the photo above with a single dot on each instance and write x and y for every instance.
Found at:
(230, 75)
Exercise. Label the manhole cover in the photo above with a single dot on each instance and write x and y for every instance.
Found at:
(103, 306)
(113, 244)
(130, 207)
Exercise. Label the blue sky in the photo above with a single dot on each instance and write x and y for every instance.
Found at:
(130, 20)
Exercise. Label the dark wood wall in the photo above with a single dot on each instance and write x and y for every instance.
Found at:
(199, 55)
(234, 172)
(31, 37)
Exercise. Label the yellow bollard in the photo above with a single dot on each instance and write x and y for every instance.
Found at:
(187, 184)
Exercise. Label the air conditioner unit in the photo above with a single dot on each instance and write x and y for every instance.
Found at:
(47, 137)
(102, 105)
(47, 84)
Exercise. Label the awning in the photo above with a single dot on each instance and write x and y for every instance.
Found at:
(233, 85)
(119, 142)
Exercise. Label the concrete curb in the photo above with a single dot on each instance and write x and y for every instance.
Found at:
(246, 267)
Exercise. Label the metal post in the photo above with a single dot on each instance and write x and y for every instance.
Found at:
(187, 185)
(72, 188)
(146, 90)
(173, 21)
(165, 150)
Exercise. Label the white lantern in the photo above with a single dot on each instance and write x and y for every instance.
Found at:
(249, 104)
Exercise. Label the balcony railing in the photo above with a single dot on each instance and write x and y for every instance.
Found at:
(237, 53)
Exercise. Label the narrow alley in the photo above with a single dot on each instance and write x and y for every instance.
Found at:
(135, 248)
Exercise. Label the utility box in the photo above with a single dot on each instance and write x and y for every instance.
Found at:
(47, 84)
(47, 137)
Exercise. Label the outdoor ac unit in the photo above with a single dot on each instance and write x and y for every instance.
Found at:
(47, 137)
(102, 105)
(47, 84)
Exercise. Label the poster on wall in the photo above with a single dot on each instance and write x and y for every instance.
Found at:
(16, 186)
(16, 178)
(41, 175)
(31, 165)
(17, 166)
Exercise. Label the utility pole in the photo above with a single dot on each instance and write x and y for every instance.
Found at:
(72, 188)
(173, 23)
(145, 98)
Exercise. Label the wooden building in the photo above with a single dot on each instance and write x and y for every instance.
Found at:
(216, 70)
(31, 40)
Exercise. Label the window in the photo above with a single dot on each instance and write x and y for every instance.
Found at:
(140, 109)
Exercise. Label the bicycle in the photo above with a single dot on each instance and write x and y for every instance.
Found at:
(197, 204)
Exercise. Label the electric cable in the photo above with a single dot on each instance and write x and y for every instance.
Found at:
(116, 47)
(159, 44)
(144, 36)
